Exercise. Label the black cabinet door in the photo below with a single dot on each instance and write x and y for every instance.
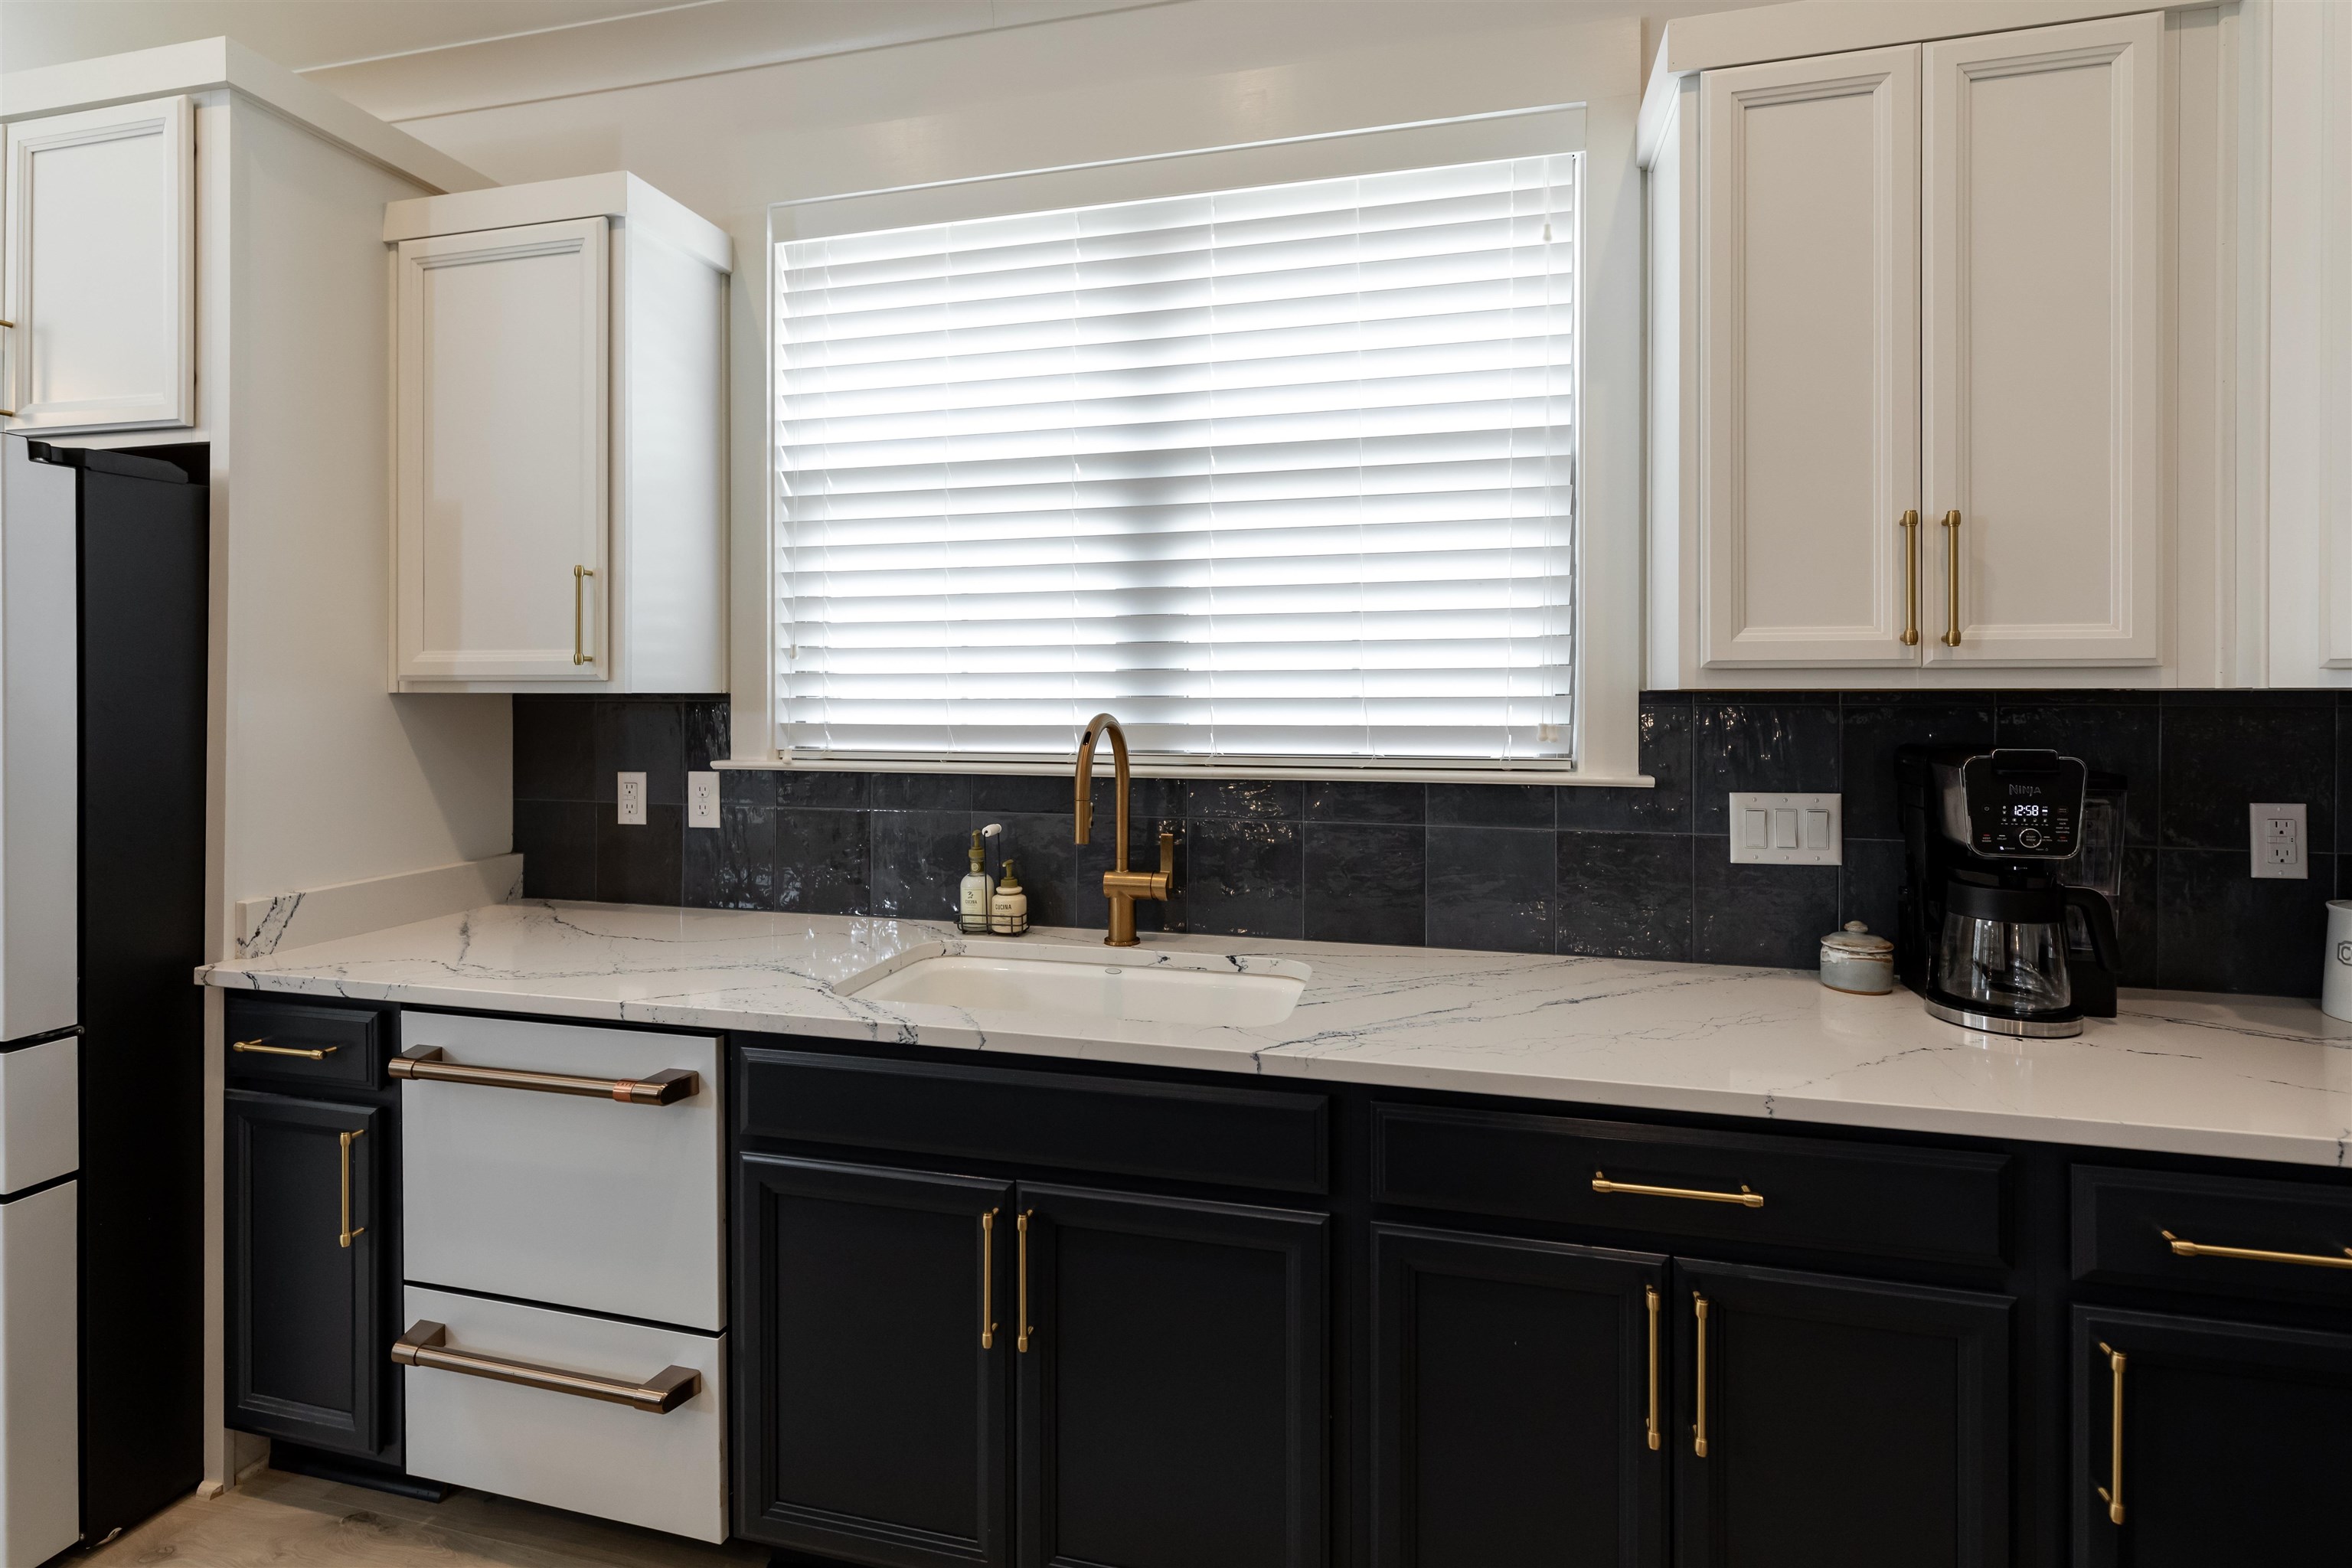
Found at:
(1519, 1401)
(2237, 1442)
(872, 1416)
(1846, 1423)
(306, 1340)
(1173, 1390)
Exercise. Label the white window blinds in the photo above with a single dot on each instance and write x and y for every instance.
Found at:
(1276, 474)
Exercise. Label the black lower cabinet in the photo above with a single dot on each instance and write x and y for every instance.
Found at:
(2235, 1442)
(1517, 1389)
(878, 1429)
(1172, 1411)
(307, 1287)
(1838, 1422)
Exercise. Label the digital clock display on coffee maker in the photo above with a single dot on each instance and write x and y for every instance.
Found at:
(2026, 812)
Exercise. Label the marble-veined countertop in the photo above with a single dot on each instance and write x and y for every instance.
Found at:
(2247, 1077)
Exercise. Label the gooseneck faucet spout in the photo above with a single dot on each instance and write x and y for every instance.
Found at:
(1120, 886)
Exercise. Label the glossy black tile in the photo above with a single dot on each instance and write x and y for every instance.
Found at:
(732, 866)
(914, 861)
(1364, 801)
(1759, 914)
(1271, 800)
(1365, 882)
(2139, 920)
(1491, 887)
(2110, 737)
(1870, 884)
(821, 861)
(639, 865)
(821, 790)
(1665, 756)
(703, 724)
(753, 787)
(1745, 745)
(1492, 805)
(2225, 930)
(994, 794)
(2218, 759)
(557, 840)
(1625, 895)
(1870, 733)
(634, 735)
(554, 749)
(1241, 878)
(921, 792)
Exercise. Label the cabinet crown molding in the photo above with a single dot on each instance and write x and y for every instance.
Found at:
(618, 194)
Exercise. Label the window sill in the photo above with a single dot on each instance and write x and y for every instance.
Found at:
(1153, 769)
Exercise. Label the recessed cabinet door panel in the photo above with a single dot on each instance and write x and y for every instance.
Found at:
(306, 1347)
(2235, 1442)
(1846, 1423)
(1512, 1403)
(2043, 374)
(101, 269)
(1809, 352)
(874, 1422)
(1171, 1410)
(502, 474)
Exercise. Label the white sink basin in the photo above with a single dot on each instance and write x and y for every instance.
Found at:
(1095, 982)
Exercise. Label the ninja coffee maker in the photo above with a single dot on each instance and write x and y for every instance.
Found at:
(2010, 864)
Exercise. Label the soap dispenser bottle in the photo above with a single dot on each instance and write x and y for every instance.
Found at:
(972, 896)
(1008, 910)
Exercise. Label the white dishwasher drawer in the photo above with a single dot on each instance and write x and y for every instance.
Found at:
(573, 1200)
(573, 1448)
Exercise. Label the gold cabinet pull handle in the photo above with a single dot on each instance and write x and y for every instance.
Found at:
(262, 1050)
(580, 654)
(427, 1344)
(2256, 1254)
(2113, 1495)
(1910, 526)
(1743, 1198)
(425, 1064)
(8, 413)
(349, 1230)
(1698, 1432)
(1952, 579)
(1650, 1425)
(1021, 1339)
(988, 1281)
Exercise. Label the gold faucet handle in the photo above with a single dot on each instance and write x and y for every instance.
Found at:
(1167, 857)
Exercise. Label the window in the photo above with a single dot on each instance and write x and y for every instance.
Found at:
(1281, 476)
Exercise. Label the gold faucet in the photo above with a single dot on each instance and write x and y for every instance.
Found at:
(1120, 886)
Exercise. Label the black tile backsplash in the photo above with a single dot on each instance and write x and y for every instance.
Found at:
(1619, 872)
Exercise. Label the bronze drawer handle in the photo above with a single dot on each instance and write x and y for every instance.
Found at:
(349, 1230)
(427, 1344)
(2113, 1495)
(1743, 1198)
(2256, 1254)
(1650, 1425)
(425, 1065)
(1021, 1228)
(1698, 1430)
(988, 1281)
(257, 1047)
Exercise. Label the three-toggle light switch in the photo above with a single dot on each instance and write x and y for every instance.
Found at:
(1786, 829)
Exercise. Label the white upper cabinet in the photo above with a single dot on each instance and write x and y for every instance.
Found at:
(2043, 351)
(101, 270)
(559, 506)
(1810, 329)
(502, 466)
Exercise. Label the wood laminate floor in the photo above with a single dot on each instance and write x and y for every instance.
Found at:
(295, 1521)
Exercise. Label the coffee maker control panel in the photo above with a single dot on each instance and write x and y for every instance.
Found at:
(2024, 804)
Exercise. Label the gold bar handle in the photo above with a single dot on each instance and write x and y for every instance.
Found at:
(8, 413)
(2256, 1254)
(427, 1344)
(2113, 1497)
(580, 654)
(1021, 1339)
(259, 1048)
(349, 1230)
(1743, 1198)
(1910, 526)
(1698, 1432)
(988, 1281)
(1649, 1425)
(1952, 579)
(425, 1064)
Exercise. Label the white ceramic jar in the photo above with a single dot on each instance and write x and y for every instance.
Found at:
(1853, 959)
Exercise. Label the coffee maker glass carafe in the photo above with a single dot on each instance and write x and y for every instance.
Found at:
(2003, 952)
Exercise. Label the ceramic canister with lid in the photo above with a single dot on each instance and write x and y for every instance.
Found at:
(1853, 959)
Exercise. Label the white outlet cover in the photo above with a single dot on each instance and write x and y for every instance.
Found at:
(702, 800)
(631, 790)
(1787, 830)
(2278, 838)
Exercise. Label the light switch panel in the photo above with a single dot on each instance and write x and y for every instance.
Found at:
(1787, 830)
(631, 789)
(2278, 837)
(702, 800)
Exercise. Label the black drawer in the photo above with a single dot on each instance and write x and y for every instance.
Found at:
(1866, 1198)
(296, 1042)
(2121, 1217)
(1235, 1137)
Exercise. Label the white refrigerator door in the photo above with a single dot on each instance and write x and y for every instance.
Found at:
(39, 731)
(40, 1437)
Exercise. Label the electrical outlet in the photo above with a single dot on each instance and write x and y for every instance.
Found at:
(2280, 840)
(702, 800)
(1787, 830)
(633, 799)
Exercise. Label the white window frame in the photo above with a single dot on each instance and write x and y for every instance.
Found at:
(1608, 545)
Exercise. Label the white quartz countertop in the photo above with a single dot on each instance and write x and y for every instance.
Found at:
(2246, 1077)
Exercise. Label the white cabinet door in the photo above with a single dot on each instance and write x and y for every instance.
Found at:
(101, 269)
(1810, 353)
(2044, 373)
(501, 485)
